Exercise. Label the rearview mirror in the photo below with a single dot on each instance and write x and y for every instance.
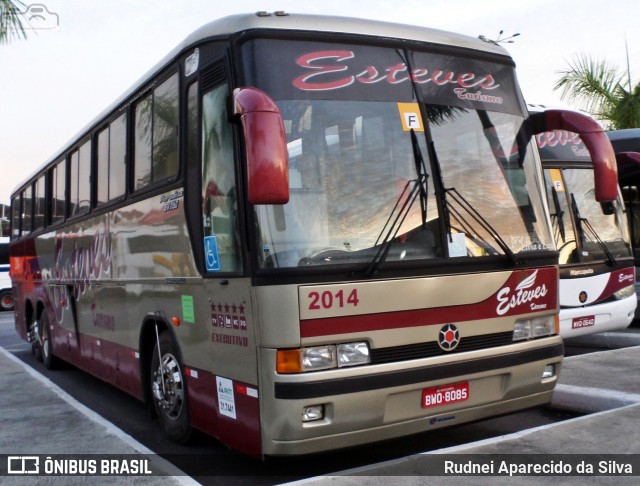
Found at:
(265, 146)
(605, 172)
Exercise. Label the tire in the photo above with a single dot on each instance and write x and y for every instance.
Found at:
(169, 395)
(46, 351)
(6, 300)
(36, 348)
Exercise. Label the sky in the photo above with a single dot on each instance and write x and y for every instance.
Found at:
(85, 53)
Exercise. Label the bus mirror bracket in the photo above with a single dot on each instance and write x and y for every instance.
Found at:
(265, 144)
(608, 208)
(604, 161)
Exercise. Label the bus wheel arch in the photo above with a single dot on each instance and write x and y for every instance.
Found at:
(167, 397)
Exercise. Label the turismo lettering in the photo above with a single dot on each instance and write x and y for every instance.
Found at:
(463, 94)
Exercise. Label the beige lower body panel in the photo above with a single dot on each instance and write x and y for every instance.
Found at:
(375, 414)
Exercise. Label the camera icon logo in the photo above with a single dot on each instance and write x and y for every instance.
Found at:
(23, 465)
(38, 17)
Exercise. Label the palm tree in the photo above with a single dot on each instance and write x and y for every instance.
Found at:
(11, 20)
(603, 91)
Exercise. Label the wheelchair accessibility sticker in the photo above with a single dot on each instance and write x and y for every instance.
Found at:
(211, 254)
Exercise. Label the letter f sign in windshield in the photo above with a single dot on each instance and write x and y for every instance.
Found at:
(410, 116)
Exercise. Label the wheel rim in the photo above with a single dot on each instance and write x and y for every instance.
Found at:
(168, 387)
(45, 343)
(6, 302)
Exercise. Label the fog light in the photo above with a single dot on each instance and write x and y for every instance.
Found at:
(312, 413)
(549, 371)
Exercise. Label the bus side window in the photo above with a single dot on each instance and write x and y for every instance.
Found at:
(26, 211)
(39, 201)
(80, 179)
(218, 181)
(156, 135)
(111, 160)
(165, 129)
(58, 185)
(142, 151)
(15, 217)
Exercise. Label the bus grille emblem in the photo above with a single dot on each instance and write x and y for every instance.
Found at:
(449, 337)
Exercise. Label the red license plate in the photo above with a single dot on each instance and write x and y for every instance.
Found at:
(445, 394)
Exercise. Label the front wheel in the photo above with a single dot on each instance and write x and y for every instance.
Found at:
(168, 390)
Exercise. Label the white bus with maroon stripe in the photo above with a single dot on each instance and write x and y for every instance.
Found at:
(597, 274)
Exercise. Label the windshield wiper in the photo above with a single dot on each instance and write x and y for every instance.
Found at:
(481, 220)
(448, 208)
(580, 221)
(559, 214)
(402, 208)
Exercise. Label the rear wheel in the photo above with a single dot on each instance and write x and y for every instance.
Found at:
(168, 390)
(6, 300)
(46, 350)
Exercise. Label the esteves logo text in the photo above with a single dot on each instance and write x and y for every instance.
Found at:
(522, 294)
(626, 277)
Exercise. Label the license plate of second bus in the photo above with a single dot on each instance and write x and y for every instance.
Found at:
(445, 394)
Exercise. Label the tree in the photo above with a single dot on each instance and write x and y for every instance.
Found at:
(11, 20)
(603, 91)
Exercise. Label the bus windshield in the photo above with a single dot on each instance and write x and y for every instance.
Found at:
(579, 221)
(366, 171)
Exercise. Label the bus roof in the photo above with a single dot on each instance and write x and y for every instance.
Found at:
(346, 25)
(624, 134)
(243, 23)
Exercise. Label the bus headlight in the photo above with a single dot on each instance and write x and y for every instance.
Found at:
(353, 354)
(316, 358)
(533, 328)
(625, 292)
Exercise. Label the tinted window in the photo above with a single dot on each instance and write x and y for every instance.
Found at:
(15, 217)
(80, 179)
(111, 161)
(156, 135)
(39, 201)
(26, 211)
(58, 185)
(218, 185)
